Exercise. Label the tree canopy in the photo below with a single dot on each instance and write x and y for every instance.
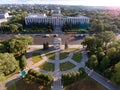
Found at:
(18, 45)
(8, 63)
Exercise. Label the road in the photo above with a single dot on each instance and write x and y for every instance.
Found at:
(102, 80)
(39, 40)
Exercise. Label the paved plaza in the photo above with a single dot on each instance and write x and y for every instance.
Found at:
(57, 72)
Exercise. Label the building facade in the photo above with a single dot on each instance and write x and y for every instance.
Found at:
(55, 19)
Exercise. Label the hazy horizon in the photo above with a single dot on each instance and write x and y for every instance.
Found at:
(112, 3)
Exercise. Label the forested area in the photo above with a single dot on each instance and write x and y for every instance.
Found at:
(100, 20)
(12, 55)
(104, 53)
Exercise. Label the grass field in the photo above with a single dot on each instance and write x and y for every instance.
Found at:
(23, 85)
(66, 66)
(77, 56)
(47, 66)
(63, 55)
(36, 57)
(51, 56)
(85, 84)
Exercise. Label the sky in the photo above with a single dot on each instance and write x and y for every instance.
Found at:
(65, 2)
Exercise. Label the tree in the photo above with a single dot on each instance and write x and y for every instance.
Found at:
(114, 28)
(105, 63)
(23, 62)
(8, 63)
(13, 28)
(100, 56)
(116, 78)
(69, 78)
(97, 25)
(66, 45)
(89, 41)
(42, 79)
(45, 46)
(107, 73)
(4, 28)
(92, 62)
(18, 45)
(20, 27)
(107, 37)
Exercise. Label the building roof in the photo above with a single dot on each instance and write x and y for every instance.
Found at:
(79, 17)
(36, 16)
(54, 15)
(57, 15)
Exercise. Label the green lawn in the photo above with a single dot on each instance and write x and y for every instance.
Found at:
(77, 56)
(66, 66)
(36, 57)
(85, 84)
(47, 66)
(63, 55)
(51, 56)
(116, 76)
(23, 85)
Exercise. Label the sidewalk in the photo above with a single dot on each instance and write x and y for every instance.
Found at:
(100, 79)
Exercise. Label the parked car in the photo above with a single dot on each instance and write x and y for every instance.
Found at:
(46, 35)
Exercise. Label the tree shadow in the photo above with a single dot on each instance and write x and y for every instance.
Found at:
(41, 51)
(11, 82)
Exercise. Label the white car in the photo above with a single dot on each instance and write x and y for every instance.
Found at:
(46, 35)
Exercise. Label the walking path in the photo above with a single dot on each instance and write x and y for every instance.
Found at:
(9, 81)
(100, 79)
(57, 73)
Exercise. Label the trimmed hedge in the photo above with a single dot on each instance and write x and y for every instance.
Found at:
(42, 79)
(72, 77)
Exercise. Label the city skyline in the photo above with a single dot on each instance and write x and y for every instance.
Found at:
(66, 2)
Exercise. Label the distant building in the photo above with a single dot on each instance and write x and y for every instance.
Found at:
(56, 18)
(4, 15)
(56, 11)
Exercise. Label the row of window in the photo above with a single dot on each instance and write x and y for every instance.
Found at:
(56, 21)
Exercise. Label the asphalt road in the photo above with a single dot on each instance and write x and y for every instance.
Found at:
(39, 39)
(101, 79)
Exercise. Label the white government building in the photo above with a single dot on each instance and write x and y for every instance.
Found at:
(4, 15)
(55, 19)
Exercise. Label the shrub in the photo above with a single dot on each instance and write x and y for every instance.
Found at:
(71, 77)
(22, 62)
(45, 46)
(66, 45)
(42, 79)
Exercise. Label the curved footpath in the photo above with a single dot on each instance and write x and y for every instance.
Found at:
(57, 73)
